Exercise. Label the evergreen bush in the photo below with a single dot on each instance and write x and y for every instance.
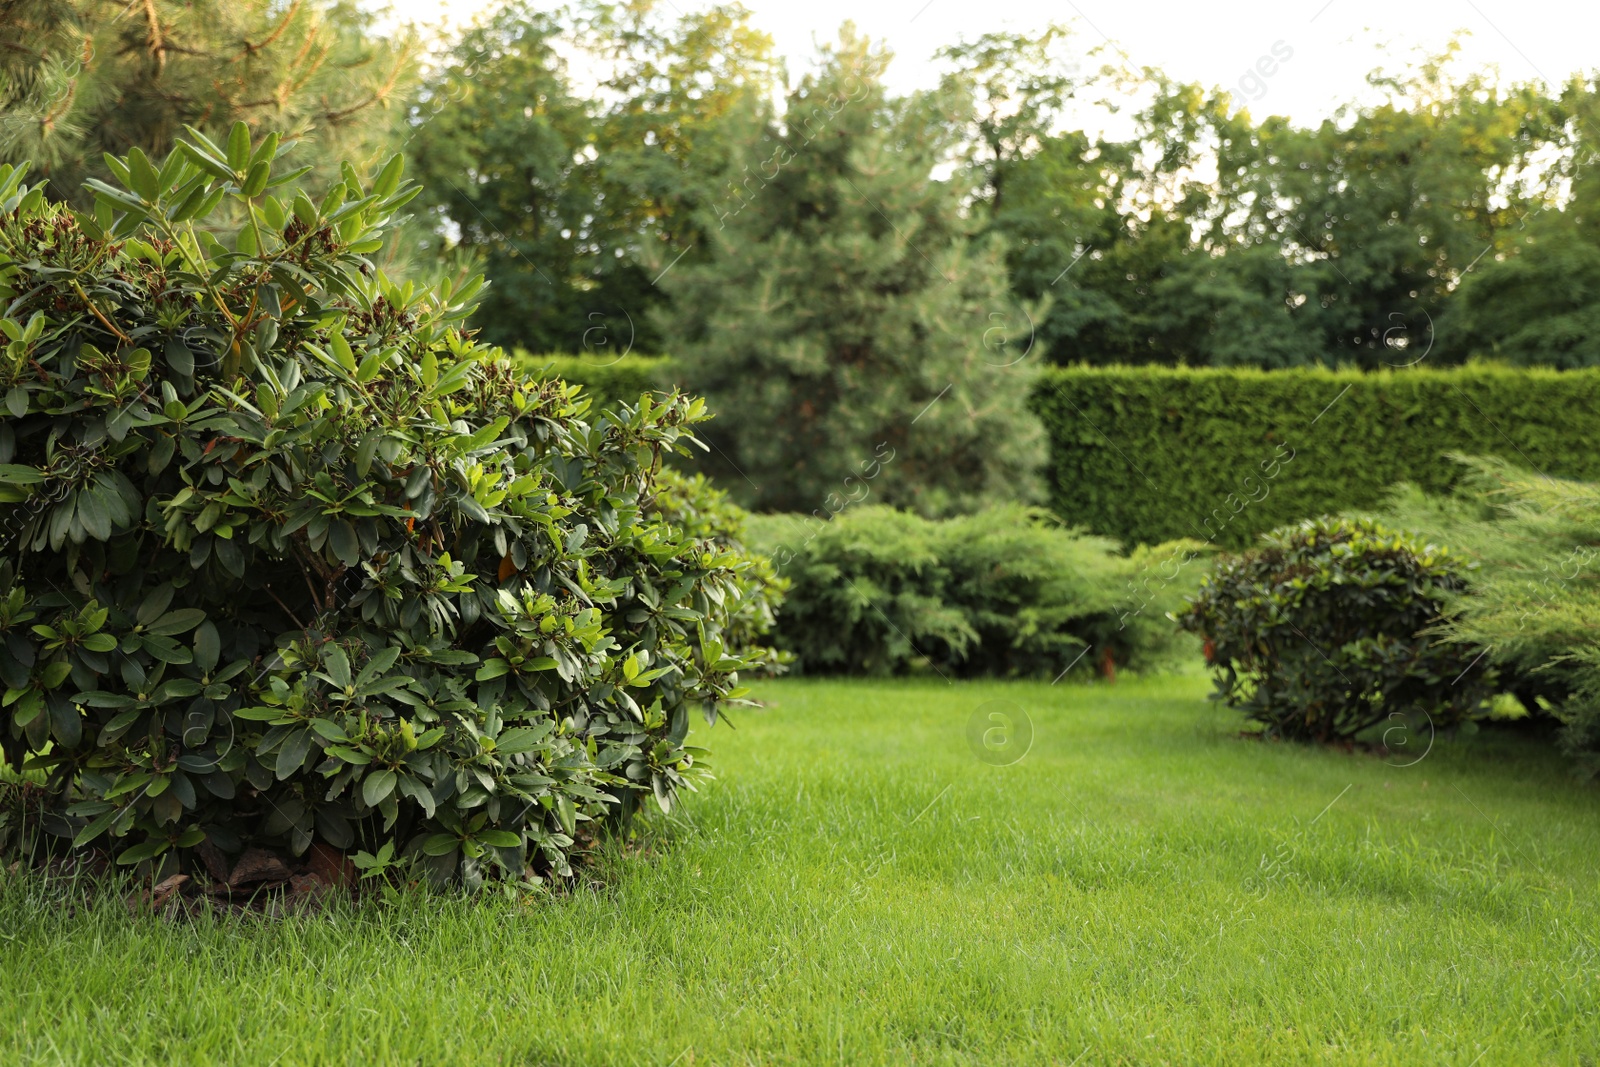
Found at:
(288, 556)
(1004, 592)
(1321, 632)
(842, 310)
(1535, 598)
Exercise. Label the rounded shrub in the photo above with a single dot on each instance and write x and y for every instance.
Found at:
(286, 556)
(1323, 631)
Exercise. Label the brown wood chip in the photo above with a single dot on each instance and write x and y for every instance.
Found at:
(215, 862)
(330, 865)
(164, 890)
(258, 865)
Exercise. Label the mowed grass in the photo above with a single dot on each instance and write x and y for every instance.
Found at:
(858, 888)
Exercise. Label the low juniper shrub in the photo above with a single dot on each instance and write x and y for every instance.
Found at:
(1007, 591)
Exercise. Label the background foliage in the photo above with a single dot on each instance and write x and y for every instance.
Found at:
(579, 151)
(607, 381)
(1351, 241)
(575, 202)
(1146, 454)
(1217, 234)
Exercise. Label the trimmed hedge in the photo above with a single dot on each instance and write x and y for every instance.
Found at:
(1147, 454)
(610, 381)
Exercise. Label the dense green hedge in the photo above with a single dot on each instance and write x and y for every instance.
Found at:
(1146, 454)
(610, 380)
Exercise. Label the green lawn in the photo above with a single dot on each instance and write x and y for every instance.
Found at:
(857, 887)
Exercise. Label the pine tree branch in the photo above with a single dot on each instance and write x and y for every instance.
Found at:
(377, 95)
(289, 86)
(266, 42)
(156, 39)
(183, 50)
(48, 122)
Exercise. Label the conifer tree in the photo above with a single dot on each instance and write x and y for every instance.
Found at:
(851, 336)
(79, 78)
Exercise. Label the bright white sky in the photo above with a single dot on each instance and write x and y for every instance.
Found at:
(1333, 43)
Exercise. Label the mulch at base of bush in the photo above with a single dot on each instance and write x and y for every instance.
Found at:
(259, 882)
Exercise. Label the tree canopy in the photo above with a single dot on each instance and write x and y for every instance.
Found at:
(581, 154)
(572, 200)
